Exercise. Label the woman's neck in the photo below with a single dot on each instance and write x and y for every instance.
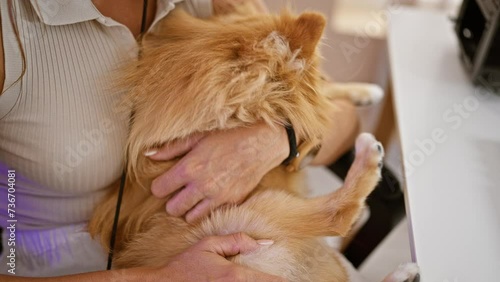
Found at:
(127, 12)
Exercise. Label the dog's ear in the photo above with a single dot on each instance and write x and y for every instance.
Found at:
(305, 32)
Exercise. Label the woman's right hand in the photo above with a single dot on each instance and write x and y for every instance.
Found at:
(206, 261)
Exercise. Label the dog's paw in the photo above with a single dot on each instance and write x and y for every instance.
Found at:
(406, 272)
(363, 94)
(369, 150)
(365, 171)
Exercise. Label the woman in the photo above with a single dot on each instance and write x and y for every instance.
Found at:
(61, 133)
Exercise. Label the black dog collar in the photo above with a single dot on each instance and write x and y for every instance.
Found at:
(292, 141)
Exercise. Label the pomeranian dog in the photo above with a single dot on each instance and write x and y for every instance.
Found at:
(231, 71)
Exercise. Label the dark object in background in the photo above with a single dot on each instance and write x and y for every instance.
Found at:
(478, 30)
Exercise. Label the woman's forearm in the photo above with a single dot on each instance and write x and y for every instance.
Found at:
(131, 274)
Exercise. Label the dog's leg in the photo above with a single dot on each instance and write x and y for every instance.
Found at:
(332, 214)
(361, 94)
(406, 272)
(361, 179)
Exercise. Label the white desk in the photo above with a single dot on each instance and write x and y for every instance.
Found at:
(452, 186)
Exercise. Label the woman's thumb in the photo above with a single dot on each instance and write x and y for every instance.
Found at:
(233, 244)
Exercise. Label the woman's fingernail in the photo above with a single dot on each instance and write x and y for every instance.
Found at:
(265, 242)
(150, 153)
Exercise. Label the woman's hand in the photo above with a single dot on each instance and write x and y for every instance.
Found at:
(207, 261)
(217, 168)
(204, 261)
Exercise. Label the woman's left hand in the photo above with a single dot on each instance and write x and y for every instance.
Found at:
(217, 168)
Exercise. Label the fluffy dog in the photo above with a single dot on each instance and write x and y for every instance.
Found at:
(203, 75)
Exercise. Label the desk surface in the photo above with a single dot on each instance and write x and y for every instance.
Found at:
(450, 140)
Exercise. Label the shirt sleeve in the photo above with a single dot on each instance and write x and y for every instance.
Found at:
(198, 8)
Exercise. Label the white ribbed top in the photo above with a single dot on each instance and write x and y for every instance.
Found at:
(59, 127)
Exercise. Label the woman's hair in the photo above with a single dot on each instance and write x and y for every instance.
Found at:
(13, 22)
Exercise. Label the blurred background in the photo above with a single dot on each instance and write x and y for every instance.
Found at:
(354, 46)
(355, 50)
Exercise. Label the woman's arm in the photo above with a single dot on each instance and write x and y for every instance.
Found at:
(217, 168)
(131, 274)
(203, 261)
(225, 166)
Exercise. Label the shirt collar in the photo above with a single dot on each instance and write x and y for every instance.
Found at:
(64, 12)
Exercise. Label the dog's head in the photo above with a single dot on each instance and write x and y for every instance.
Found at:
(202, 75)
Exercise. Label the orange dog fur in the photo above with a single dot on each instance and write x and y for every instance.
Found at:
(204, 75)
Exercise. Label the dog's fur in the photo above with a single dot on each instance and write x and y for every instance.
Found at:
(204, 75)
